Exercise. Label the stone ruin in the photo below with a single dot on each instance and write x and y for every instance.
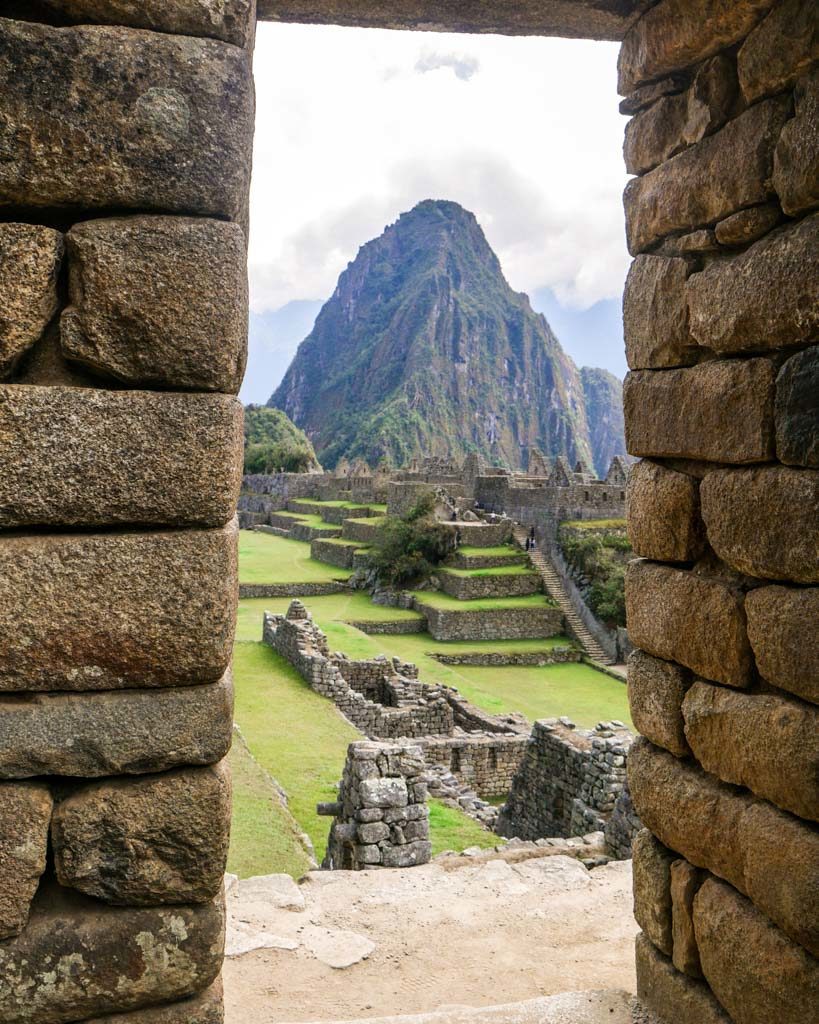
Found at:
(122, 452)
(381, 819)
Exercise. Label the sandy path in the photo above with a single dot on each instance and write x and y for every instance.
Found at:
(473, 935)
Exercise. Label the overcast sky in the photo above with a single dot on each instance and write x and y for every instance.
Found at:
(355, 126)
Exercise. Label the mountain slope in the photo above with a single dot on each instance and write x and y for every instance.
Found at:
(424, 349)
(603, 394)
(273, 443)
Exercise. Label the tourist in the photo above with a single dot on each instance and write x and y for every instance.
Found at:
(528, 543)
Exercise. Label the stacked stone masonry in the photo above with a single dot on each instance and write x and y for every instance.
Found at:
(721, 319)
(126, 136)
(381, 819)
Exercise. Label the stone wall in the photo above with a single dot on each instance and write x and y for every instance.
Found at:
(381, 819)
(492, 624)
(468, 588)
(721, 319)
(126, 153)
(552, 656)
(486, 763)
(568, 783)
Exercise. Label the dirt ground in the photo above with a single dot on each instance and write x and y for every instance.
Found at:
(416, 940)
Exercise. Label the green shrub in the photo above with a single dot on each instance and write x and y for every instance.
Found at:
(600, 554)
(407, 550)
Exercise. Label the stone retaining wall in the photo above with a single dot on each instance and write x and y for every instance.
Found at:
(486, 763)
(342, 555)
(381, 819)
(395, 627)
(569, 782)
(361, 532)
(493, 624)
(249, 590)
(458, 560)
(468, 588)
(553, 656)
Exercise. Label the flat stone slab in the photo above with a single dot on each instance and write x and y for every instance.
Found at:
(338, 948)
(78, 958)
(128, 732)
(143, 457)
(116, 610)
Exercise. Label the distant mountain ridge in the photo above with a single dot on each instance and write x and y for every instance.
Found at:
(424, 349)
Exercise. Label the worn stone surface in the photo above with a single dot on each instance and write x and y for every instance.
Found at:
(769, 855)
(131, 732)
(797, 409)
(145, 841)
(122, 457)
(651, 867)
(79, 958)
(116, 610)
(675, 122)
(782, 630)
(158, 301)
(782, 47)
(675, 34)
(765, 742)
(693, 620)
(706, 183)
(693, 244)
(229, 20)
(656, 689)
(30, 258)
(25, 813)
(764, 522)
(206, 1008)
(672, 995)
(763, 298)
(719, 411)
(646, 95)
(655, 314)
(746, 226)
(756, 972)
(663, 513)
(685, 881)
(797, 155)
(97, 118)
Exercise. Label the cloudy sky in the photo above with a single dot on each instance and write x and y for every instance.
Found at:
(355, 126)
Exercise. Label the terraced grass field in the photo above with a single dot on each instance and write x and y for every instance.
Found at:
(265, 558)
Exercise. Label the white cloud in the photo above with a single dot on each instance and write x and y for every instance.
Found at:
(349, 135)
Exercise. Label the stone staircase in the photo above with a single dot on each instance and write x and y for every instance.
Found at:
(557, 591)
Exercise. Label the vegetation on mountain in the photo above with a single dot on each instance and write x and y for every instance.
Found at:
(274, 443)
(603, 396)
(597, 552)
(406, 550)
(424, 349)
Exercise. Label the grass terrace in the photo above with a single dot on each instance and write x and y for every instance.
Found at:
(502, 570)
(265, 558)
(595, 524)
(307, 519)
(503, 550)
(435, 599)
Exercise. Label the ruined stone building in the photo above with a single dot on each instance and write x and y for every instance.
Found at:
(125, 148)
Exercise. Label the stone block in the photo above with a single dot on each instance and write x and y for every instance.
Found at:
(674, 34)
(25, 813)
(781, 48)
(123, 457)
(115, 118)
(719, 411)
(797, 155)
(229, 20)
(696, 621)
(656, 689)
(647, 95)
(672, 995)
(675, 122)
(782, 630)
(30, 258)
(158, 301)
(79, 958)
(383, 792)
(763, 741)
(745, 227)
(685, 882)
(757, 973)
(655, 314)
(417, 852)
(373, 833)
(764, 522)
(664, 513)
(148, 840)
(207, 1008)
(708, 182)
(763, 298)
(130, 732)
(769, 855)
(796, 409)
(651, 868)
(116, 610)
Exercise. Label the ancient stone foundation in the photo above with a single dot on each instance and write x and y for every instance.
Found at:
(721, 318)
(381, 818)
(125, 146)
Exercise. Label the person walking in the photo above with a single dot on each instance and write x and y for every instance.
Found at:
(528, 543)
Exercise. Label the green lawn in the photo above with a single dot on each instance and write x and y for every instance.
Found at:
(452, 830)
(352, 606)
(595, 524)
(305, 519)
(503, 570)
(266, 558)
(435, 599)
(498, 552)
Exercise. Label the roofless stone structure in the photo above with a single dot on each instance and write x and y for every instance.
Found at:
(125, 146)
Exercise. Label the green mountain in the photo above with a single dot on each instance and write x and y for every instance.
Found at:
(273, 443)
(603, 395)
(424, 349)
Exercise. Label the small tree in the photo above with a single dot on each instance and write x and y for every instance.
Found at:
(408, 549)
